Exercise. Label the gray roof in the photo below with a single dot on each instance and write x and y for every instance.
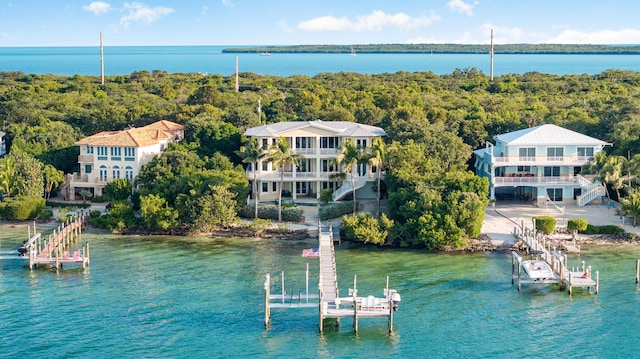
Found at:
(340, 128)
(548, 135)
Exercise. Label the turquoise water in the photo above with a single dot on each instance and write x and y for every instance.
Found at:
(200, 297)
(121, 60)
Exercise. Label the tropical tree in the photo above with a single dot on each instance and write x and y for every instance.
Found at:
(52, 179)
(631, 205)
(377, 157)
(349, 158)
(281, 155)
(251, 152)
(600, 166)
(630, 168)
(8, 176)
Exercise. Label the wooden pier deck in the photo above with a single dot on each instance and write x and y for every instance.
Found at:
(58, 249)
(332, 306)
(565, 277)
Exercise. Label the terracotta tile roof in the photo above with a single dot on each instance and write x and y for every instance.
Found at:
(165, 126)
(133, 137)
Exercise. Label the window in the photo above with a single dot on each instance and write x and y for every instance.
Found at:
(265, 143)
(128, 173)
(328, 166)
(103, 173)
(555, 153)
(87, 169)
(301, 187)
(552, 171)
(129, 152)
(115, 151)
(329, 142)
(524, 168)
(265, 165)
(89, 150)
(555, 194)
(585, 152)
(361, 144)
(265, 187)
(328, 185)
(527, 153)
(102, 151)
(274, 185)
(116, 172)
(303, 142)
(305, 166)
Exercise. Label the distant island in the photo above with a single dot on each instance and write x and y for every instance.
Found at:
(445, 49)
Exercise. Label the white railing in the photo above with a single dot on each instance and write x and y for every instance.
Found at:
(275, 175)
(532, 180)
(539, 160)
(346, 187)
(590, 195)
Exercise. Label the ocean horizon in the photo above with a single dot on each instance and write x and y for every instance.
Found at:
(124, 60)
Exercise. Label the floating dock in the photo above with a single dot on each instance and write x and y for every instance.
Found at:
(331, 305)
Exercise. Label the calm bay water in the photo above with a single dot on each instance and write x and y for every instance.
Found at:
(120, 60)
(202, 297)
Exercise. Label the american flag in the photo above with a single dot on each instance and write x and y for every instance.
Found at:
(311, 252)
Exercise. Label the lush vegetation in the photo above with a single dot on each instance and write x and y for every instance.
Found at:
(545, 224)
(433, 123)
(445, 48)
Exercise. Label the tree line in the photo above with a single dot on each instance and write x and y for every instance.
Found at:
(434, 122)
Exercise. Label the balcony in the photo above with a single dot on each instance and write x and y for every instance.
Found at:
(571, 160)
(85, 158)
(289, 176)
(534, 180)
(317, 151)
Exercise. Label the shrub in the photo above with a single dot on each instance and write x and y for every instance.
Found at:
(100, 199)
(577, 224)
(21, 208)
(335, 210)
(95, 214)
(545, 224)
(289, 214)
(67, 205)
(45, 215)
(364, 227)
(326, 196)
(608, 229)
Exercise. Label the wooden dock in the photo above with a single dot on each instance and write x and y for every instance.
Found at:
(564, 276)
(58, 249)
(331, 305)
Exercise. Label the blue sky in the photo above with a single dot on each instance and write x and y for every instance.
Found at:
(293, 22)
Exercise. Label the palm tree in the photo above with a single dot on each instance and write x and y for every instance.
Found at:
(349, 157)
(52, 178)
(631, 205)
(630, 168)
(377, 159)
(8, 175)
(600, 167)
(252, 152)
(281, 155)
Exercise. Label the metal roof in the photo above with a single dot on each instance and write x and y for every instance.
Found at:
(340, 128)
(548, 135)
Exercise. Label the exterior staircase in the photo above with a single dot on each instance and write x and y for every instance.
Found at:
(346, 187)
(592, 192)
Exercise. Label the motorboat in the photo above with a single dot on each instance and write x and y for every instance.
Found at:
(538, 270)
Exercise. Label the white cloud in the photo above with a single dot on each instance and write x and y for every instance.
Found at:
(569, 36)
(97, 7)
(375, 21)
(204, 10)
(285, 27)
(141, 13)
(461, 7)
(227, 3)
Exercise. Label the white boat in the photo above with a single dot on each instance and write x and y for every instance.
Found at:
(265, 53)
(538, 270)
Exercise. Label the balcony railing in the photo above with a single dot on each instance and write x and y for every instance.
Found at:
(533, 180)
(541, 160)
(275, 175)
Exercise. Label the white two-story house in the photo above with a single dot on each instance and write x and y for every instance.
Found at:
(119, 154)
(319, 142)
(540, 164)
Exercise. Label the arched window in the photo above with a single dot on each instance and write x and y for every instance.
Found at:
(116, 172)
(103, 173)
(128, 173)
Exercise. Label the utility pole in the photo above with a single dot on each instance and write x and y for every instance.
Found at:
(491, 52)
(101, 61)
